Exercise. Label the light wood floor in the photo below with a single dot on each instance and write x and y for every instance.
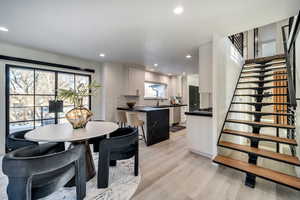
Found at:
(170, 172)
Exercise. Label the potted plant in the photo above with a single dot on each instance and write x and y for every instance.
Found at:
(78, 116)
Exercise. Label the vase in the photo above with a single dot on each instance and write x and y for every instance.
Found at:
(79, 116)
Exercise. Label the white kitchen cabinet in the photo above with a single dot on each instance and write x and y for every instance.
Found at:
(171, 114)
(183, 116)
(199, 135)
(134, 84)
(178, 86)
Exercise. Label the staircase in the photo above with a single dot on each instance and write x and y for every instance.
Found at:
(268, 80)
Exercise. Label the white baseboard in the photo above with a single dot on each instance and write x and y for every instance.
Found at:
(202, 154)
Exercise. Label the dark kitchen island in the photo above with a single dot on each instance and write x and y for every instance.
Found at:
(156, 122)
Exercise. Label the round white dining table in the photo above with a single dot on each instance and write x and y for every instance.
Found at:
(66, 133)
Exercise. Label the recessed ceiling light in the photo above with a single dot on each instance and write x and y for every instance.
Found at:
(188, 56)
(155, 65)
(102, 55)
(178, 10)
(3, 29)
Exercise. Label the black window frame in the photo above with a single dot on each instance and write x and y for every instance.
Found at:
(7, 91)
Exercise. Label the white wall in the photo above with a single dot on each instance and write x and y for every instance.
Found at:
(113, 85)
(15, 51)
(193, 79)
(227, 64)
(205, 68)
(250, 44)
(205, 74)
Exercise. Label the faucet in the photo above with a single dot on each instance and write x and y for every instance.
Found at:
(157, 103)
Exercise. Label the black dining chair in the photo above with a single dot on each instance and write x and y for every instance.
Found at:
(95, 141)
(37, 171)
(122, 144)
(17, 140)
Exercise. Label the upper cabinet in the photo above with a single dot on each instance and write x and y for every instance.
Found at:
(134, 82)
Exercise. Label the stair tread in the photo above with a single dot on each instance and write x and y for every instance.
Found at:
(262, 113)
(261, 123)
(266, 81)
(261, 152)
(266, 75)
(261, 136)
(261, 95)
(262, 172)
(269, 63)
(261, 103)
(264, 65)
(264, 88)
(263, 71)
(274, 58)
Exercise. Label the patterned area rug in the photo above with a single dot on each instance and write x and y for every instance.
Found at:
(122, 184)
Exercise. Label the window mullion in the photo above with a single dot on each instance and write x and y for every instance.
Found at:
(34, 98)
(55, 93)
(90, 91)
(74, 87)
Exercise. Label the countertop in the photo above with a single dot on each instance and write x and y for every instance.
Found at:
(142, 108)
(170, 105)
(201, 112)
(149, 108)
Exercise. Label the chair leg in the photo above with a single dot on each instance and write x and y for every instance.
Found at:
(144, 136)
(80, 178)
(61, 147)
(103, 168)
(96, 147)
(19, 188)
(113, 163)
(136, 161)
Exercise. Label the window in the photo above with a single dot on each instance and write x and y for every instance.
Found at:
(155, 90)
(268, 48)
(29, 92)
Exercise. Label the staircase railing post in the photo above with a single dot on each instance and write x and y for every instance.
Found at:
(277, 134)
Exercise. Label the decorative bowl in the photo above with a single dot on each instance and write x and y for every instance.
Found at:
(130, 104)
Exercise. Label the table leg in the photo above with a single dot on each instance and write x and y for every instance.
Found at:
(90, 166)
